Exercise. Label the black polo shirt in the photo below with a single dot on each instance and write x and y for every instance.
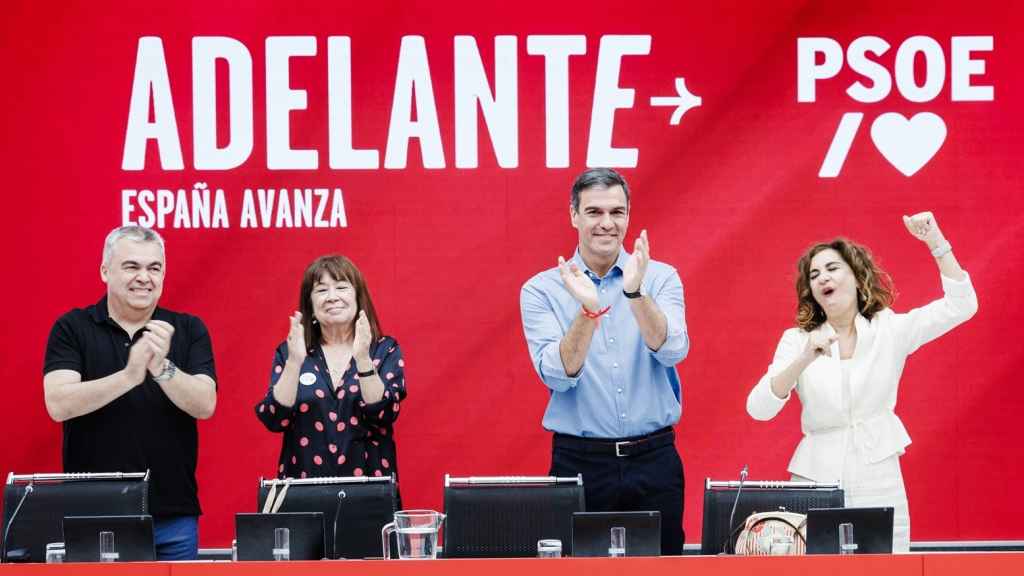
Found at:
(142, 429)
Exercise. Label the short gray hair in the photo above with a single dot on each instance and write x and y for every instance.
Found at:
(132, 232)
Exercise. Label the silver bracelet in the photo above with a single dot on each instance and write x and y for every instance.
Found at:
(942, 249)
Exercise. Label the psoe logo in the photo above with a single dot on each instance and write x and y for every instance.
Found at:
(907, 143)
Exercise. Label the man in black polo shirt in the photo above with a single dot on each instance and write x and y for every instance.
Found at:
(129, 380)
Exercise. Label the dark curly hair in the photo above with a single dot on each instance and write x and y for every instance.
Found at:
(875, 289)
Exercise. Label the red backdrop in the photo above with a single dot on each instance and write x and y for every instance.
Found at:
(730, 196)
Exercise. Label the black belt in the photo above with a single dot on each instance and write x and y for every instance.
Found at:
(621, 447)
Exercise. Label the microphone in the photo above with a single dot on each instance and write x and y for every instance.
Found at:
(337, 512)
(14, 515)
(730, 545)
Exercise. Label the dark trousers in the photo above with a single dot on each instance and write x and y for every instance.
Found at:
(650, 480)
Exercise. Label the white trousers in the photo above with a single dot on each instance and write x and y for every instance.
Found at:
(874, 485)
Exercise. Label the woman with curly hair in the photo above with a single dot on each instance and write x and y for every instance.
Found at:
(845, 358)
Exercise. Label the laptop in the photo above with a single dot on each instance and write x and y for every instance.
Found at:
(255, 535)
(133, 537)
(872, 529)
(591, 532)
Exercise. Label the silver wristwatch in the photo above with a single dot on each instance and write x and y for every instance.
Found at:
(167, 373)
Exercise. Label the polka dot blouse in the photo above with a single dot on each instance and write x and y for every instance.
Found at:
(331, 431)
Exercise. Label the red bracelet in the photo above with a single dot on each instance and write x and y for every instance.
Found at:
(595, 315)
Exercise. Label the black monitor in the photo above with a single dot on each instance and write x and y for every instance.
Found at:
(35, 506)
(505, 516)
(591, 533)
(133, 538)
(757, 496)
(255, 535)
(872, 529)
(363, 504)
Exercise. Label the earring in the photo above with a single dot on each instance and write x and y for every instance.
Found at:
(314, 321)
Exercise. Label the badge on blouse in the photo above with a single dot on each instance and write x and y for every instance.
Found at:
(307, 378)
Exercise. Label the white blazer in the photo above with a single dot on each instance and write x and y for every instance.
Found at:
(883, 344)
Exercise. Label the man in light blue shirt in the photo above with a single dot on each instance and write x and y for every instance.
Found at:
(605, 331)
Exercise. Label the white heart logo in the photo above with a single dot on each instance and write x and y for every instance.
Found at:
(908, 144)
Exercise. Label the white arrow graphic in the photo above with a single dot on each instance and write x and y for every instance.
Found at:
(683, 102)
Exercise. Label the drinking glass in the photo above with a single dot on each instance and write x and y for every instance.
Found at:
(617, 546)
(54, 552)
(847, 545)
(549, 548)
(282, 544)
(108, 549)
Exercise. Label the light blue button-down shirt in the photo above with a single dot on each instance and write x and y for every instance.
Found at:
(625, 388)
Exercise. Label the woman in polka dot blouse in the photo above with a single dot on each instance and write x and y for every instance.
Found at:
(336, 383)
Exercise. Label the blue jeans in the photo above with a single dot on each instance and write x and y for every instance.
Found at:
(176, 537)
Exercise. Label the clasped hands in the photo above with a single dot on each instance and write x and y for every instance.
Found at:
(150, 350)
